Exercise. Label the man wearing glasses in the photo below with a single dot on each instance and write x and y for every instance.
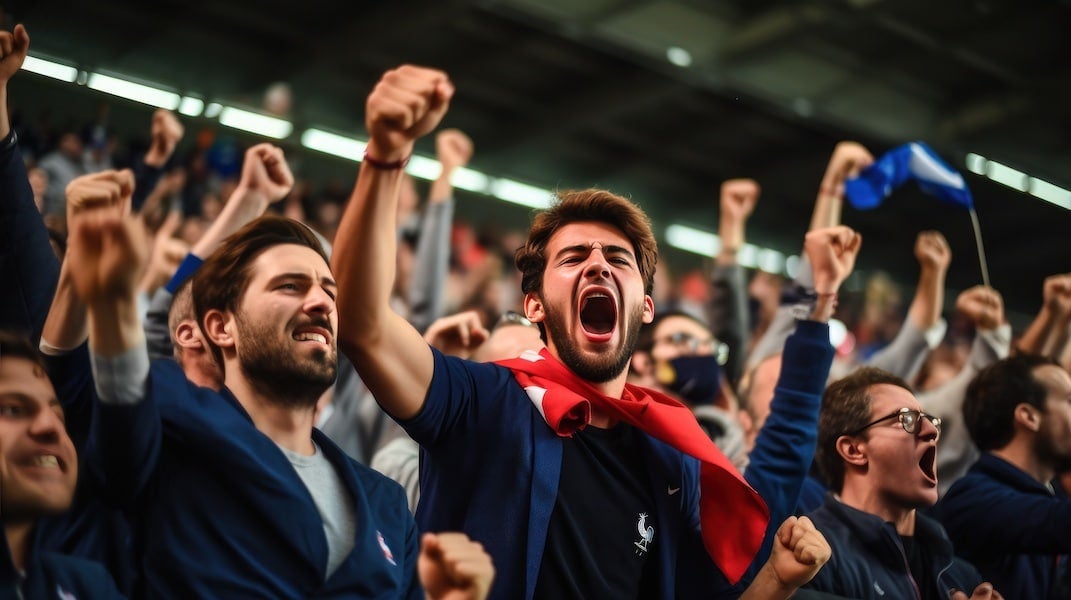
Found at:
(878, 449)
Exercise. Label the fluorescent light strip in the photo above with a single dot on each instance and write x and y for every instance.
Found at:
(133, 91)
(520, 193)
(470, 180)
(1006, 175)
(1018, 180)
(693, 240)
(771, 260)
(213, 109)
(423, 167)
(976, 163)
(255, 123)
(708, 244)
(51, 69)
(333, 144)
(1050, 193)
(191, 107)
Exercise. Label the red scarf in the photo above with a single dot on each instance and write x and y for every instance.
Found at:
(732, 515)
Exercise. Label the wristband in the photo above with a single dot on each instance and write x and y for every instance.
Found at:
(383, 165)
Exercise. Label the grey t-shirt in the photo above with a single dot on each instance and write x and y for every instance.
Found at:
(333, 501)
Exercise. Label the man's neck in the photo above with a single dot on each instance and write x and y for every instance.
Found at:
(903, 519)
(286, 425)
(18, 541)
(1020, 452)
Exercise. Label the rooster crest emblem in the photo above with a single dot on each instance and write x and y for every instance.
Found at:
(646, 535)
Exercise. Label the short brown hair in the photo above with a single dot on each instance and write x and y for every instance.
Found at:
(991, 398)
(15, 345)
(221, 281)
(587, 205)
(845, 408)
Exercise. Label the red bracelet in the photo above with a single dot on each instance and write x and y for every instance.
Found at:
(384, 165)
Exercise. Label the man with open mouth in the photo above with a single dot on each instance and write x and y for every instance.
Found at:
(877, 449)
(579, 485)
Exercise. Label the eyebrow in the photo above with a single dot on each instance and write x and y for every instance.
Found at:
(327, 281)
(587, 249)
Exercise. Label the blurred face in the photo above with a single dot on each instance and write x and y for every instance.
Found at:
(901, 467)
(38, 464)
(286, 325)
(1054, 435)
(592, 302)
(678, 336)
(763, 382)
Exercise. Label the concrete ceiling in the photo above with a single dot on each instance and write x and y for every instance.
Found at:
(568, 93)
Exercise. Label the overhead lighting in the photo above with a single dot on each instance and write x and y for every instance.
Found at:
(693, 240)
(212, 110)
(423, 167)
(521, 193)
(1006, 175)
(255, 123)
(792, 266)
(748, 256)
(191, 107)
(1050, 193)
(771, 260)
(976, 163)
(679, 56)
(51, 69)
(470, 180)
(838, 331)
(333, 144)
(137, 92)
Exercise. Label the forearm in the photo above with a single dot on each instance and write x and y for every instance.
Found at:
(242, 207)
(767, 586)
(929, 298)
(1056, 340)
(731, 233)
(1034, 338)
(114, 325)
(728, 314)
(905, 355)
(66, 326)
(441, 188)
(5, 120)
(431, 265)
(827, 209)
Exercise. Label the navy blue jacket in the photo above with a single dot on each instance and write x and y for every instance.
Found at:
(491, 466)
(1010, 526)
(869, 562)
(52, 575)
(222, 513)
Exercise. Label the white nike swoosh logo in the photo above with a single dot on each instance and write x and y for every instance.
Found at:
(673, 490)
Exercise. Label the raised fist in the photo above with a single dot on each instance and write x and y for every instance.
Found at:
(982, 305)
(166, 133)
(832, 252)
(107, 253)
(932, 251)
(406, 104)
(1056, 294)
(453, 567)
(848, 159)
(265, 172)
(799, 551)
(13, 49)
(453, 149)
(738, 198)
(104, 189)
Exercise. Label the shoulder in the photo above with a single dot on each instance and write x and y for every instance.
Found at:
(78, 577)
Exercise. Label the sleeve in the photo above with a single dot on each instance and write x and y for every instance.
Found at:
(72, 379)
(993, 516)
(28, 267)
(728, 315)
(157, 331)
(785, 446)
(784, 321)
(432, 264)
(126, 432)
(145, 180)
(905, 355)
(400, 460)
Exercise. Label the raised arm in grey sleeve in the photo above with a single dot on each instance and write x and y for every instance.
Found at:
(910, 348)
(157, 331)
(431, 264)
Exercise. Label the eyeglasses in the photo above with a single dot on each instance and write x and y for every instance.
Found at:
(687, 342)
(909, 419)
(512, 317)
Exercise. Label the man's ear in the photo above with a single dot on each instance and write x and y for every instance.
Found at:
(187, 335)
(533, 307)
(648, 309)
(852, 450)
(219, 328)
(1027, 416)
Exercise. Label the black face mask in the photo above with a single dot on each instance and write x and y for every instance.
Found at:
(694, 378)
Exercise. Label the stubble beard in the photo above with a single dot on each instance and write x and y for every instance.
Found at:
(288, 379)
(607, 365)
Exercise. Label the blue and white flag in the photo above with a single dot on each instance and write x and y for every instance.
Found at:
(911, 161)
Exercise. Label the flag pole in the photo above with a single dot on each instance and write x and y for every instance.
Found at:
(981, 249)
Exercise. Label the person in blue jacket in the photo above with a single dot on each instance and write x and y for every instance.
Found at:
(579, 484)
(234, 493)
(878, 451)
(1004, 515)
(38, 474)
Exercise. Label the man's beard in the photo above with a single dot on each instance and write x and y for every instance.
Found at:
(1049, 452)
(287, 378)
(608, 364)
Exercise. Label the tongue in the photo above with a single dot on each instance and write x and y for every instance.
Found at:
(598, 316)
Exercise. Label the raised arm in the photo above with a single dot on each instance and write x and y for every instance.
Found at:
(390, 355)
(1044, 334)
(729, 316)
(432, 261)
(799, 552)
(848, 159)
(166, 132)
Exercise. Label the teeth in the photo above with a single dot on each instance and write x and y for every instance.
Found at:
(47, 461)
(302, 337)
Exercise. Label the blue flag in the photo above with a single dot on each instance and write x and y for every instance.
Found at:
(911, 161)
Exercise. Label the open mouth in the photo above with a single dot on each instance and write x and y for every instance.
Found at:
(48, 462)
(598, 314)
(928, 464)
(309, 336)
